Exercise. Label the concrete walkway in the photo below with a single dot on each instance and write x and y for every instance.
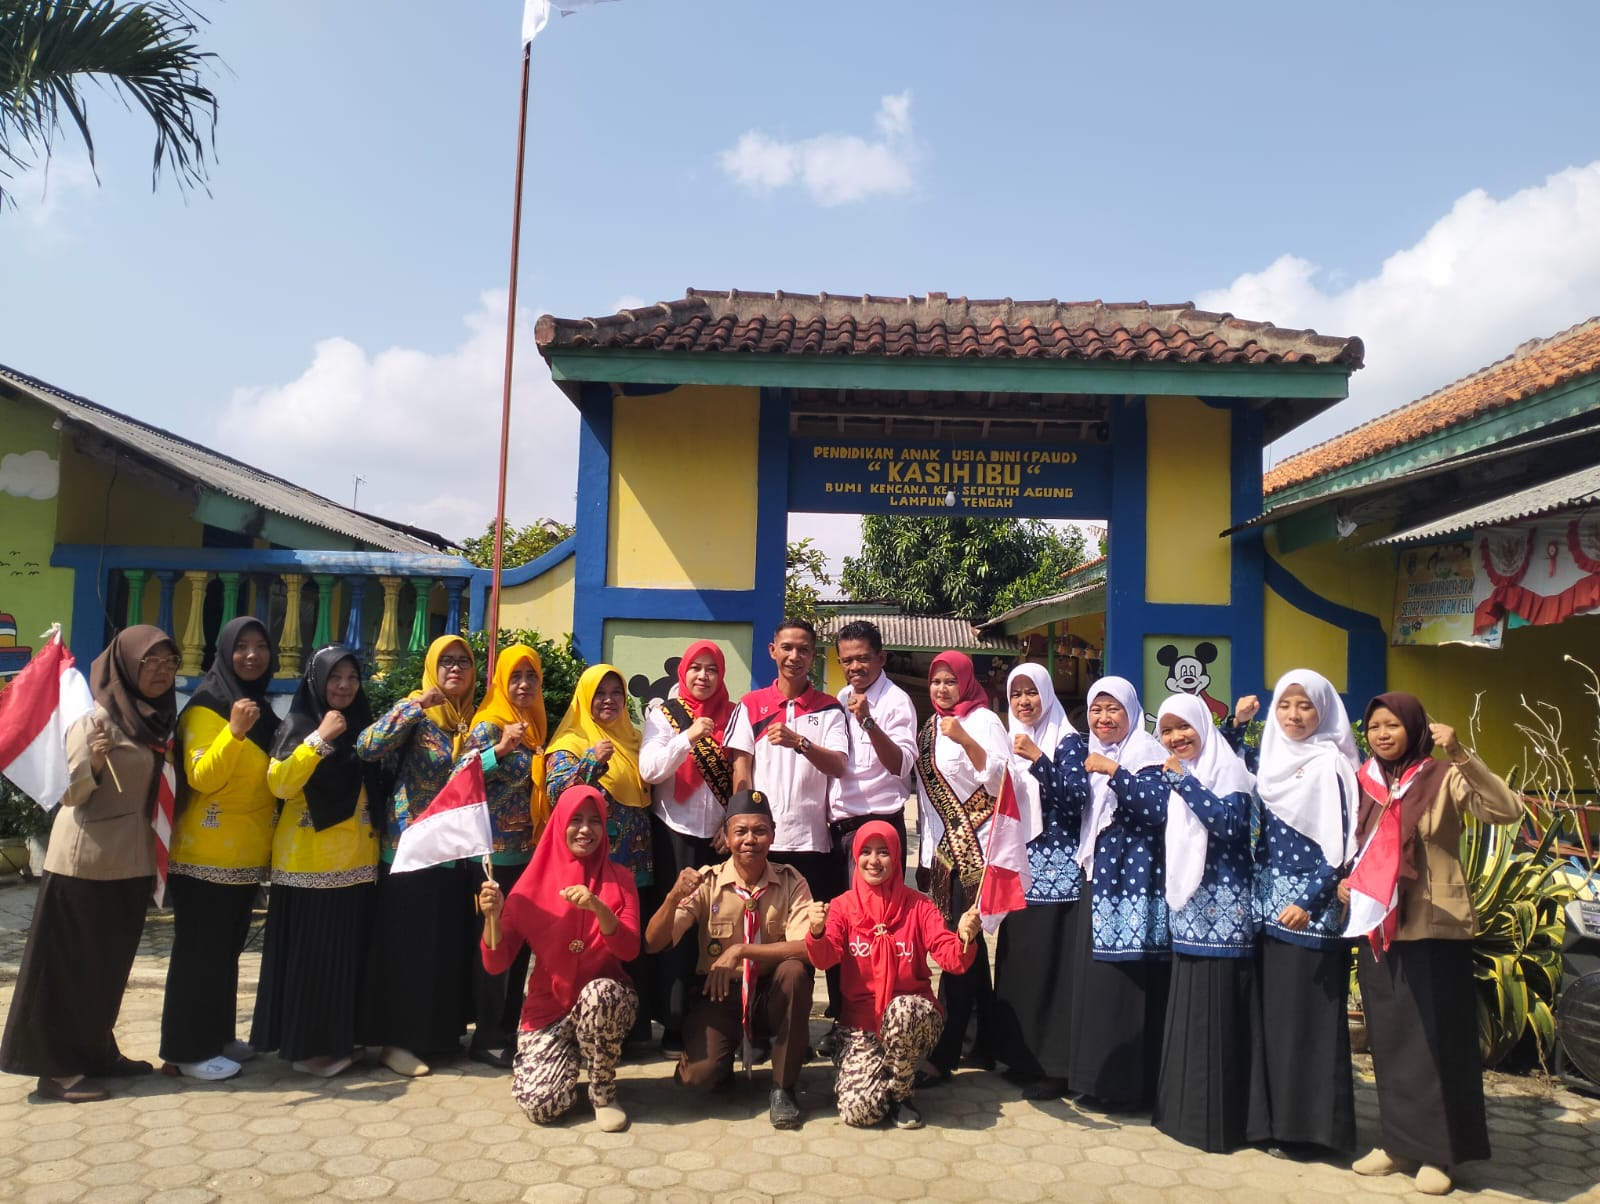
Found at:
(274, 1135)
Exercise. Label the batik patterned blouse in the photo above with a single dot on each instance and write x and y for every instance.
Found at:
(1052, 855)
(421, 754)
(627, 827)
(509, 782)
(1219, 918)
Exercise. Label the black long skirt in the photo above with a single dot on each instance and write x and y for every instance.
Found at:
(1211, 1055)
(1119, 1010)
(1307, 1094)
(1422, 1022)
(1035, 965)
(210, 922)
(496, 998)
(669, 975)
(311, 970)
(416, 995)
(74, 971)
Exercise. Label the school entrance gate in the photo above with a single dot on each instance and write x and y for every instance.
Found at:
(707, 420)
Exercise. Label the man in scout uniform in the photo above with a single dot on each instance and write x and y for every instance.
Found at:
(750, 917)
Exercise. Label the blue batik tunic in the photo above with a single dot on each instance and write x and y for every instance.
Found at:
(1219, 920)
(1053, 854)
(1291, 869)
(1129, 912)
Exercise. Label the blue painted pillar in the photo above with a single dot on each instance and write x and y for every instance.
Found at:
(1247, 590)
(594, 521)
(772, 531)
(1125, 544)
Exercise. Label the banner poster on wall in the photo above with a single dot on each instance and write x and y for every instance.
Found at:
(1434, 597)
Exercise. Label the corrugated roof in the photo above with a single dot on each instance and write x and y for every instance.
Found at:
(924, 632)
(938, 325)
(1017, 612)
(224, 474)
(1581, 488)
(1533, 368)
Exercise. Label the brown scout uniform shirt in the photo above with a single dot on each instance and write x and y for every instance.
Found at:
(719, 911)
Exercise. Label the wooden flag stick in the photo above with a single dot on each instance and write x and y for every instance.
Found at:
(491, 924)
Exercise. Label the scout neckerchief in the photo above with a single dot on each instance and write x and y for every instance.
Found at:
(959, 848)
(166, 802)
(706, 753)
(747, 981)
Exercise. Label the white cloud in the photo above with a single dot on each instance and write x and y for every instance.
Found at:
(422, 428)
(35, 475)
(46, 191)
(836, 169)
(628, 301)
(1487, 276)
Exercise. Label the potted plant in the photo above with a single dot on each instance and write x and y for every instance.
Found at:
(22, 823)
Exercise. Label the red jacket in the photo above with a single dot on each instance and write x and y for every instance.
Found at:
(603, 958)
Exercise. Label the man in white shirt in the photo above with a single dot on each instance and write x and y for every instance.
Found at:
(883, 741)
(789, 741)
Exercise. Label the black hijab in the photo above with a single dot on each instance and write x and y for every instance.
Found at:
(335, 784)
(221, 687)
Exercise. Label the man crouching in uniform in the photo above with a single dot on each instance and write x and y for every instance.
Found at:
(750, 918)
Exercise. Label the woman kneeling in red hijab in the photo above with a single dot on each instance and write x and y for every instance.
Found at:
(579, 914)
(883, 932)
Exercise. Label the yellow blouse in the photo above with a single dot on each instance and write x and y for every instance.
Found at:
(343, 855)
(224, 833)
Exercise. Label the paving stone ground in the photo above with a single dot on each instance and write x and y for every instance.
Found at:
(273, 1135)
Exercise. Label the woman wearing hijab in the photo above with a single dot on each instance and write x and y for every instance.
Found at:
(598, 745)
(682, 758)
(324, 871)
(98, 875)
(221, 847)
(882, 933)
(1211, 1055)
(1119, 1000)
(578, 912)
(963, 752)
(507, 736)
(1306, 779)
(1415, 967)
(416, 1001)
(1035, 964)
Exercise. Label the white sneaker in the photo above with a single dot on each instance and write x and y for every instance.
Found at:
(212, 1070)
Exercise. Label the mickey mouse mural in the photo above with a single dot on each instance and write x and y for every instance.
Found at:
(1189, 672)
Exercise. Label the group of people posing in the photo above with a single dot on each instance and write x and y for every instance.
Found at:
(1183, 950)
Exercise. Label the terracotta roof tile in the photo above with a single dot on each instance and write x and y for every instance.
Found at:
(1533, 368)
(938, 325)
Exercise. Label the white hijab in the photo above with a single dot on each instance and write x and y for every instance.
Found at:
(1135, 751)
(1046, 733)
(1300, 780)
(1217, 768)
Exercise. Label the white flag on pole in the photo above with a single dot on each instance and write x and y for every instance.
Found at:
(536, 13)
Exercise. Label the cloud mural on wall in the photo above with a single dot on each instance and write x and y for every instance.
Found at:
(35, 475)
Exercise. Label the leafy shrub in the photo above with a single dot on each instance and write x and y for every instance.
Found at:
(20, 815)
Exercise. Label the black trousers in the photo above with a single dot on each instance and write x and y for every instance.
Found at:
(210, 922)
(496, 998)
(669, 979)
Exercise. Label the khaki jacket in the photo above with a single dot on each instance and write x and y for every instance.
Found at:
(1437, 903)
(100, 832)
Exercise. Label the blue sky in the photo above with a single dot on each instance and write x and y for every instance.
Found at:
(1426, 176)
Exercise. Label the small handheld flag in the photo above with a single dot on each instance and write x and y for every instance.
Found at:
(455, 824)
(1006, 876)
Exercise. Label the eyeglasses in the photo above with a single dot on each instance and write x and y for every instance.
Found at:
(168, 663)
(454, 662)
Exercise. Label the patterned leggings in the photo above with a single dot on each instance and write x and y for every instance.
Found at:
(544, 1079)
(875, 1069)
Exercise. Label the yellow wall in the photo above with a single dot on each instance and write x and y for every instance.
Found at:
(31, 591)
(1295, 640)
(134, 514)
(1187, 488)
(683, 489)
(543, 604)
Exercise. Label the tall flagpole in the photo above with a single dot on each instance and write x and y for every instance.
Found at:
(511, 340)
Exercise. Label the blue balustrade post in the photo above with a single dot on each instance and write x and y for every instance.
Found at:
(169, 581)
(356, 587)
(452, 592)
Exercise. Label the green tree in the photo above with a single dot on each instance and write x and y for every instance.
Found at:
(807, 573)
(959, 566)
(144, 53)
(522, 544)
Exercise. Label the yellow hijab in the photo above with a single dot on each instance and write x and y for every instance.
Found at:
(581, 731)
(499, 710)
(454, 718)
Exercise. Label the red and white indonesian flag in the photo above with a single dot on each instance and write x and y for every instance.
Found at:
(456, 824)
(536, 13)
(1006, 876)
(1375, 879)
(36, 709)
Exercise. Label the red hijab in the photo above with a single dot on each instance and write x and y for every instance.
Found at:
(717, 708)
(551, 925)
(876, 911)
(972, 694)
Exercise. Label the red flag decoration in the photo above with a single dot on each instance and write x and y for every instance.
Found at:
(456, 824)
(1006, 876)
(1375, 879)
(36, 709)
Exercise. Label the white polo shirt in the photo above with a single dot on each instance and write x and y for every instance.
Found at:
(868, 788)
(797, 790)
